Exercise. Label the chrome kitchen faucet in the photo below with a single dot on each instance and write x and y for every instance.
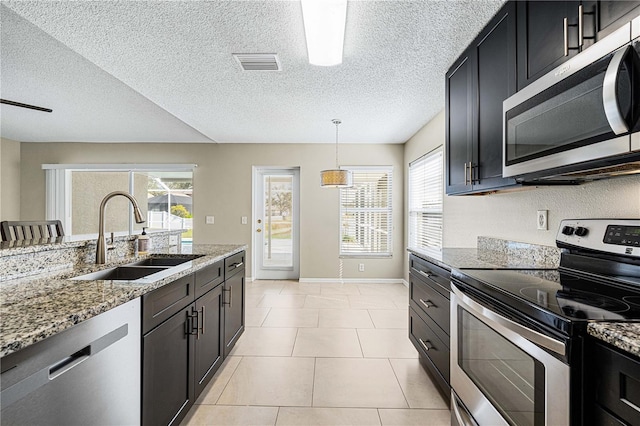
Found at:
(101, 249)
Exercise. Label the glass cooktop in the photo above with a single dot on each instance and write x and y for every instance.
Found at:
(556, 298)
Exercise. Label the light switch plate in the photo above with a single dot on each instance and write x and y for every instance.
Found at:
(541, 220)
(210, 220)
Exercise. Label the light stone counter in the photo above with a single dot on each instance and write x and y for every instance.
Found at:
(625, 336)
(36, 307)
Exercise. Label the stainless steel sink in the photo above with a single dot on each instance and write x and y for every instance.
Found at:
(141, 269)
(165, 260)
(122, 273)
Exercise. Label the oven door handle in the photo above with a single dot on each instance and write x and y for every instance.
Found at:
(609, 93)
(531, 335)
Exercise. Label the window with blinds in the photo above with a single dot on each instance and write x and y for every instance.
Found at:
(425, 201)
(365, 213)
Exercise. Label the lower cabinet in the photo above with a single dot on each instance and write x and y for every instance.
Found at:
(429, 294)
(234, 286)
(181, 353)
(209, 350)
(611, 385)
(167, 371)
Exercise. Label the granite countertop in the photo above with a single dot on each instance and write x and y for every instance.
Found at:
(478, 258)
(36, 307)
(625, 336)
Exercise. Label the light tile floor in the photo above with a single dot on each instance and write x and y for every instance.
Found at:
(322, 354)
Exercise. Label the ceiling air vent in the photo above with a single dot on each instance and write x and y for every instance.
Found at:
(258, 61)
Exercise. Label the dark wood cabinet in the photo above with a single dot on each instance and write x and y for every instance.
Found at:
(189, 327)
(544, 41)
(167, 371)
(429, 318)
(611, 384)
(234, 305)
(209, 350)
(476, 85)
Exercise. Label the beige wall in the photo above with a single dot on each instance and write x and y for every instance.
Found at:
(89, 188)
(222, 188)
(511, 215)
(10, 180)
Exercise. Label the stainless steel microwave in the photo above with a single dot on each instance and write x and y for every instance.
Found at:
(582, 120)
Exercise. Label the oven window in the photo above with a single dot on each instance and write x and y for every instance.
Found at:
(509, 378)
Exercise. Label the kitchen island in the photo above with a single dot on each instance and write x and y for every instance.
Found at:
(39, 306)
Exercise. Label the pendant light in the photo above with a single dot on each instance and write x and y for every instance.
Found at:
(336, 178)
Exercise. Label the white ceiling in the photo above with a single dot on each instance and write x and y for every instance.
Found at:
(163, 71)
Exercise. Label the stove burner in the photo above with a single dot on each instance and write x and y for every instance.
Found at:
(633, 300)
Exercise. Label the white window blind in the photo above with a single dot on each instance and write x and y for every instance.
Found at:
(425, 201)
(365, 213)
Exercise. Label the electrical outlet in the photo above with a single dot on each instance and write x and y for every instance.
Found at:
(243, 220)
(210, 220)
(541, 220)
(361, 267)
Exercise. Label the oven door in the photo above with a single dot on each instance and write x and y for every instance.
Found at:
(501, 376)
(582, 111)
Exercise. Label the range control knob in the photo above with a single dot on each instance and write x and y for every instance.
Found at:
(568, 230)
(581, 231)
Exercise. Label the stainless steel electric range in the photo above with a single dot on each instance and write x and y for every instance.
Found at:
(517, 335)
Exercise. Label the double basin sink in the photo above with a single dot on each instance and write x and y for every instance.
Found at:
(140, 269)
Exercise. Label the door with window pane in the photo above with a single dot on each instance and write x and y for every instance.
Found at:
(276, 223)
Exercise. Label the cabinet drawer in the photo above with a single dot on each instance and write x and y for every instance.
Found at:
(429, 345)
(209, 277)
(618, 383)
(424, 296)
(165, 301)
(428, 271)
(234, 264)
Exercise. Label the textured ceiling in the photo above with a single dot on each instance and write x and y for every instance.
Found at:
(128, 71)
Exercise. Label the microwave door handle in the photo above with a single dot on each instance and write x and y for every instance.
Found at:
(609, 94)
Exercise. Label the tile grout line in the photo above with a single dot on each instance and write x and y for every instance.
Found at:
(360, 343)
(313, 381)
(395, 374)
(227, 383)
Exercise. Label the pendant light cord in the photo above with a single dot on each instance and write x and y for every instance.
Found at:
(337, 123)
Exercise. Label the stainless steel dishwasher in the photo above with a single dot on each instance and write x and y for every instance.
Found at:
(86, 375)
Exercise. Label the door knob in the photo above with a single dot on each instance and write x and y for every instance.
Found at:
(258, 230)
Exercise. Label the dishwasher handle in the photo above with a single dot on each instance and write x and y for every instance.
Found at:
(69, 362)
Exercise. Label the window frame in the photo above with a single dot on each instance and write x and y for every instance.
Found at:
(388, 169)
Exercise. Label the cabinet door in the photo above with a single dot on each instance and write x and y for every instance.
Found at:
(458, 127)
(608, 16)
(541, 37)
(167, 371)
(494, 80)
(233, 310)
(208, 341)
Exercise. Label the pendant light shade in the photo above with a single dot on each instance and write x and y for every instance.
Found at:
(336, 178)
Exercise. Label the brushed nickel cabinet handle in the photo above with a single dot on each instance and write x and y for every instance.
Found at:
(424, 344)
(565, 27)
(202, 326)
(465, 174)
(427, 304)
(580, 25)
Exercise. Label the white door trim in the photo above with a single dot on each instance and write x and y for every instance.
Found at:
(256, 209)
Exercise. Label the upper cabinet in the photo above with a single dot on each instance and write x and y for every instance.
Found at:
(524, 41)
(476, 85)
(552, 32)
(547, 37)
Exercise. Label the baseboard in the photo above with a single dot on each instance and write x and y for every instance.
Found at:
(355, 280)
(405, 282)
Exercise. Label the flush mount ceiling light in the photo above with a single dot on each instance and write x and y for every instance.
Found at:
(324, 23)
(336, 178)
